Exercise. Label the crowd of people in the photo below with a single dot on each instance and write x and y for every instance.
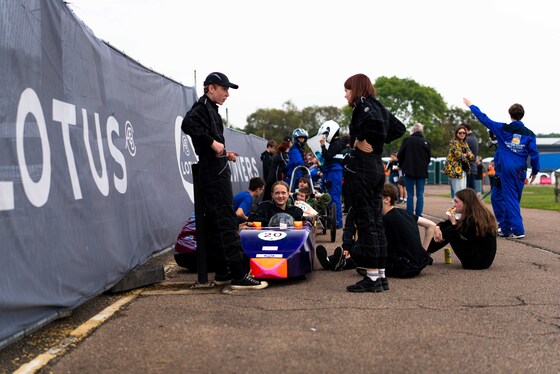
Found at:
(379, 239)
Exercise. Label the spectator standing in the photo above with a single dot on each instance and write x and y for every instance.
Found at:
(277, 170)
(458, 161)
(480, 172)
(472, 141)
(516, 143)
(491, 173)
(296, 153)
(204, 125)
(414, 157)
(266, 157)
(394, 172)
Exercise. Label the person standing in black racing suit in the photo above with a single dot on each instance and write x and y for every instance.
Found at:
(204, 125)
(366, 178)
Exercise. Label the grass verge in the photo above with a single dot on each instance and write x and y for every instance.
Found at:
(534, 197)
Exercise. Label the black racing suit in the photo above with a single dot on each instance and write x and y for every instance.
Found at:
(365, 176)
(267, 209)
(204, 124)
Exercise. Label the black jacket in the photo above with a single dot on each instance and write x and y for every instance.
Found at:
(369, 120)
(204, 124)
(267, 209)
(414, 155)
(266, 158)
(277, 170)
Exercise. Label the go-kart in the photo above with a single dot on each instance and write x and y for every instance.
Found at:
(326, 219)
(280, 252)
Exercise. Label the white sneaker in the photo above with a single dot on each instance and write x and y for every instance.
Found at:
(515, 236)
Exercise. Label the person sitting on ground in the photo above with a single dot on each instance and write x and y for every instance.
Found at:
(279, 204)
(406, 251)
(243, 201)
(472, 235)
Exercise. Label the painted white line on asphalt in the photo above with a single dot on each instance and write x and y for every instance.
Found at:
(76, 335)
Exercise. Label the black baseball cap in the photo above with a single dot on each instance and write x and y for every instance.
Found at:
(219, 79)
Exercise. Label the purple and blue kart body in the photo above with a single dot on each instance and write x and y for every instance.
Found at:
(276, 253)
(271, 252)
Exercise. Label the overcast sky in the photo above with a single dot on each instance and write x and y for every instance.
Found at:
(495, 52)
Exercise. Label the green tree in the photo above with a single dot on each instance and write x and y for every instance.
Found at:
(274, 123)
(315, 116)
(412, 102)
(277, 123)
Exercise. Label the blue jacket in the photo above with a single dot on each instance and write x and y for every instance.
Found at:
(515, 142)
(296, 159)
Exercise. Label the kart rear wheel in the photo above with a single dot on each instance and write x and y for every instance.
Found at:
(333, 222)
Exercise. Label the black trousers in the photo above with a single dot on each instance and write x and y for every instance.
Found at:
(474, 252)
(222, 237)
(366, 177)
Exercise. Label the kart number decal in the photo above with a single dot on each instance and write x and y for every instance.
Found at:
(268, 255)
(272, 235)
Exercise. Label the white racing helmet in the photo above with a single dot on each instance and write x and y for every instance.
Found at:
(329, 130)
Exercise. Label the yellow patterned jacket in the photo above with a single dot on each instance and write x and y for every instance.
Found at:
(456, 162)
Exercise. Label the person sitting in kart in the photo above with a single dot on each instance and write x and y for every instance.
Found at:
(304, 201)
(279, 204)
(318, 201)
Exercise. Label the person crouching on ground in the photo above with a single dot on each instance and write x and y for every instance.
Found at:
(472, 236)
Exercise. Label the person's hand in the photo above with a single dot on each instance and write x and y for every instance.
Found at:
(363, 146)
(218, 148)
(467, 102)
(451, 213)
(232, 156)
(533, 177)
(438, 236)
(322, 141)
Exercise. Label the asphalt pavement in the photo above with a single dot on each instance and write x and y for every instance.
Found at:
(503, 319)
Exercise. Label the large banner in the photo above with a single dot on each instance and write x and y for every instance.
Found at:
(95, 173)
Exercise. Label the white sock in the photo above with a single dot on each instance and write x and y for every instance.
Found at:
(381, 273)
(373, 274)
